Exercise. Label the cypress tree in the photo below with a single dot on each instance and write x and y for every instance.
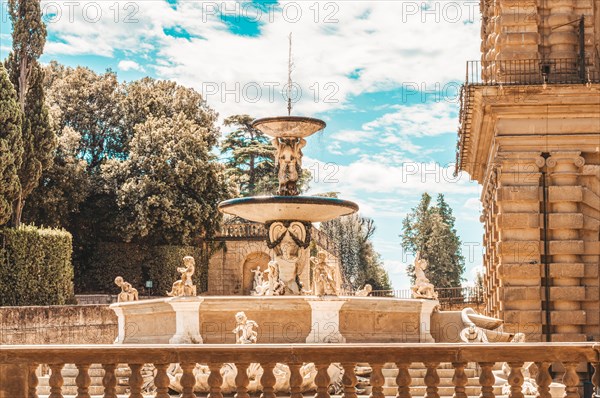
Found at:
(39, 141)
(11, 146)
(430, 230)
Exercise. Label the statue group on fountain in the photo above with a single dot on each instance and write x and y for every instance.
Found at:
(324, 276)
(288, 164)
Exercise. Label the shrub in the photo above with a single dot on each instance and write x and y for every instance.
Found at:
(138, 263)
(35, 266)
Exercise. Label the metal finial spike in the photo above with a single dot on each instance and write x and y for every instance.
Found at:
(289, 91)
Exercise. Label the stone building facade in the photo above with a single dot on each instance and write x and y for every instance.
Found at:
(243, 248)
(530, 135)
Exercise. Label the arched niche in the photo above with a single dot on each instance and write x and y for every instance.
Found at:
(253, 260)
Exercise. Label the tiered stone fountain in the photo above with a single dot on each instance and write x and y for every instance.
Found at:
(286, 311)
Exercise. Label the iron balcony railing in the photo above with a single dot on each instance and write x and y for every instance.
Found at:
(531, 72)
(447, 297)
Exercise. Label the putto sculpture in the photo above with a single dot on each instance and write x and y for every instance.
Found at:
(128, 292)
(365, 291)
(185, 286)
(324, 276)
(244, 329)
(422, 289)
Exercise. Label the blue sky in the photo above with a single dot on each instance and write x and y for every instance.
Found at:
(384, 75)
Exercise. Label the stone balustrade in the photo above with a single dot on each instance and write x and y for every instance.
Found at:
(18, 364)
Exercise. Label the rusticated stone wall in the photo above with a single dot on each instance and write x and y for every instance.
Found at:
(68, 324)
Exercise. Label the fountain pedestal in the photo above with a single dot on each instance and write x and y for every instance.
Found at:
(325, 320)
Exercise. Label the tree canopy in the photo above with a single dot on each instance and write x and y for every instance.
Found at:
(430, 230)
(249, 157)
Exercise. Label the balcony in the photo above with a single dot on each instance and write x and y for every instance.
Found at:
(18, 366)
(530, 72)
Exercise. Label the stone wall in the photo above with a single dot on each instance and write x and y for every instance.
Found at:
(68, 324)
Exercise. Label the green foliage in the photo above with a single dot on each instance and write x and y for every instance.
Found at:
(11, 148)
(250, 157)
(360, 262)
(430, 230)
(38, 139)
(90, 104)
(137, 264)
(169, 186)
(35, 266)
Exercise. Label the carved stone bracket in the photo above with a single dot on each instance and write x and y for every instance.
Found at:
(274, 238)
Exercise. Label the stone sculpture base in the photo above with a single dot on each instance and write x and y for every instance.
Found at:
(280, 319)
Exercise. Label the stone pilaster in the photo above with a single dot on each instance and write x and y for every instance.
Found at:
(518, 247)
(562, 35)
(566, 245)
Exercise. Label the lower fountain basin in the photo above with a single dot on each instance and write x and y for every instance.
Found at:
(298, 208)
(280, 319)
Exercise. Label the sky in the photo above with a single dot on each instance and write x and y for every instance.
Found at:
(384, 75)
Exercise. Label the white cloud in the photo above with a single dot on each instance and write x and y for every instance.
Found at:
(127, 65)
(353, 48)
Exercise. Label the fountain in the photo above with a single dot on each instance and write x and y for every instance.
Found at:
(286, 310)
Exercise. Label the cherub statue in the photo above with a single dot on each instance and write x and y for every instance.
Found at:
(324, 275)
(365, 291)
(185, 286)
(422, 287)
(244, 329)
(128, 292)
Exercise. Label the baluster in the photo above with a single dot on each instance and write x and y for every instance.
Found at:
(161, 380)
(242, 380)
(596, 377)
(135, 381)
(322, 380)
(188, 380)
(487, 380)
(56, 380)
(515, 380)
(349, 380)
(403, 380)
(295, 380)
(377, 380)
(459, 379)
(109, 381)
(267, 380)
(571, 380)
(215, 380)
(543, 380)
(83, 380)
(33, 381)
(432, 380)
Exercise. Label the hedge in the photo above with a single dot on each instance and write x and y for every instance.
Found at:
(136, 264)
(35, 266)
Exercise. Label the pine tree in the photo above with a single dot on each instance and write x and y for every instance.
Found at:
(29, 38)
(10, 146)
(430, 231)
(250, 157)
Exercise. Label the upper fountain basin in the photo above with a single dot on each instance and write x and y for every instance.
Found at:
(289, 126)
(298, 208)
